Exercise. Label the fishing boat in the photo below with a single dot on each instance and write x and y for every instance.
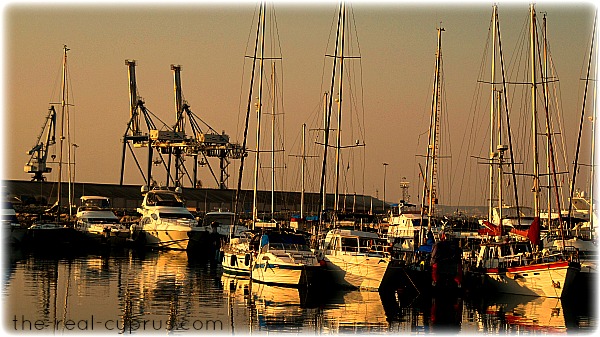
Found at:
(284, 258)
(99, 223)
(165, 222)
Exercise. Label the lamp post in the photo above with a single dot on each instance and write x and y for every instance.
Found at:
(384, 174)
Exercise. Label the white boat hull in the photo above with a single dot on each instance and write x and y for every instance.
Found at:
(544, 280)
(357, 271)
(236, 263)
(291, 275)
(165, 236)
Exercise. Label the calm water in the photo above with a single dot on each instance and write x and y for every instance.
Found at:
(158, 292)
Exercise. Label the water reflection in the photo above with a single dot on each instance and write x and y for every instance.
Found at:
(517, 314)
(161, 292)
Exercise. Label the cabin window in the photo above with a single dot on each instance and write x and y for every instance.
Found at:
(350, 244)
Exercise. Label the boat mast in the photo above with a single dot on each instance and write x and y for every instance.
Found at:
(500, 149)
(327, 118)
(534, 129)
(430, 164)
(273, 143)
(576, 163)
(325, 145)
(258, 113)
(302, 170)
(492, 114)
(552, 179)
(339, 119)
(245, 138)
(63, 106)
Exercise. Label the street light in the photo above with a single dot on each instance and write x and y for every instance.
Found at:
(384, 174)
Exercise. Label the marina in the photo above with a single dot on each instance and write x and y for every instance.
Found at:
(233, 231)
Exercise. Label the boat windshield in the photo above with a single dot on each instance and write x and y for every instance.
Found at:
(171, 215)
(287, 242)
(164, 199)
(99, 203)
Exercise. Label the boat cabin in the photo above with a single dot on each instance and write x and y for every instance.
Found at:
(502, 254)
(343, 241)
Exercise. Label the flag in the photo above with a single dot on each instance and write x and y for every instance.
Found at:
(534, 232)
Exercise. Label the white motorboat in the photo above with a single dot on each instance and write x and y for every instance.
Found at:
(222, 222)
(237, 255)
(165, 222)
(98, 222)
(355, 259)
(284, 258)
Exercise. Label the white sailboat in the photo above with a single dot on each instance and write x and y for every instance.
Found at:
(58, 231)
(510, 266)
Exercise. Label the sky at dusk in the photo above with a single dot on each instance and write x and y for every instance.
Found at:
(389, 87)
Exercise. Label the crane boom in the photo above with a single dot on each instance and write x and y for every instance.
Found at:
(37, 163)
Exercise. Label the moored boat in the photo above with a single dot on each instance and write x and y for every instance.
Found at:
(99, 223)
(284, 258)
(165, 222)
(356, 259)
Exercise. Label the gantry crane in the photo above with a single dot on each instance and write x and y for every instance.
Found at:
(37, 163)
(172, 141)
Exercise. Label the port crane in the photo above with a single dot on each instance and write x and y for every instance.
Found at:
(173, 142)
(37, 163)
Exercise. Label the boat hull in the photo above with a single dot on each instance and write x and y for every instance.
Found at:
(162, 236)
(236, 263)
(106, 237)
(357, 271)
(287, 275)
(545, 279)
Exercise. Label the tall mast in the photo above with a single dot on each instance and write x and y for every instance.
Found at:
(428, 183)
(552, 179)
(576, 163)
(273, 143)
(500, 149)
(325, 145)
(63, 107)
(327, 116)
(534, 129)
(302, 169)
(492, 114)
(258, 113)
(339, 119)
(245, 138)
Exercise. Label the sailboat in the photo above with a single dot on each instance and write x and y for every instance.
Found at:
(581, 234)
(509, 265)
(57, 230)
(352, 258)
(268, 253)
